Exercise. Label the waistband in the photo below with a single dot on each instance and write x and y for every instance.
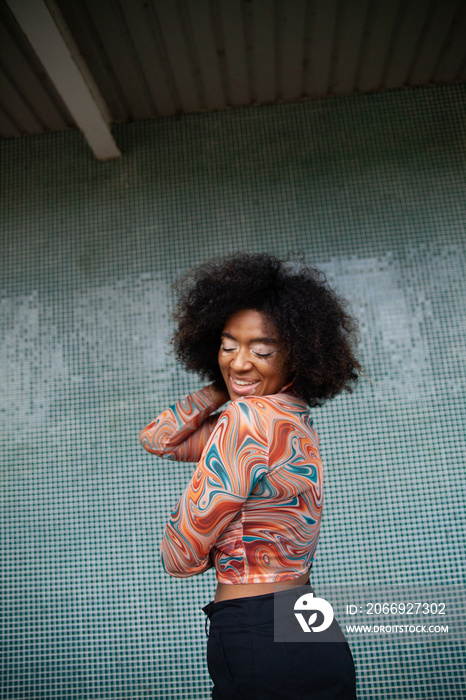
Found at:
(252, 611)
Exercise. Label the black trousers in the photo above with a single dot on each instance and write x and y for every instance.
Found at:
(245, 663)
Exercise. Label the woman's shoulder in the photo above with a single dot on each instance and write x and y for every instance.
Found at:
(263, 417)
(282, 402)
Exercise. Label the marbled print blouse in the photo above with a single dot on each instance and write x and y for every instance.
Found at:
(253, 506)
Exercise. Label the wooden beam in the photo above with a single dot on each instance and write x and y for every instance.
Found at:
(46, 30)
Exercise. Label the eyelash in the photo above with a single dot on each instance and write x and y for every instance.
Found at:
(257, 354)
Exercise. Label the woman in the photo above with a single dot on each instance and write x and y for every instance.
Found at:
(272, 339)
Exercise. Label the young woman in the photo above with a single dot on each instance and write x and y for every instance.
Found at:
(272, 339)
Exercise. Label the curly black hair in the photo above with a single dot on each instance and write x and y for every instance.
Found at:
(318, 334)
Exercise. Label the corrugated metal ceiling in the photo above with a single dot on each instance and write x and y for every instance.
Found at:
(164, 57)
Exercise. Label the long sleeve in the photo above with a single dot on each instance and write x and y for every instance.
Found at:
(183, 430)
(234, 460)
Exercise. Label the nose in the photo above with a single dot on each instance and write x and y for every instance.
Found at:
(241, 360)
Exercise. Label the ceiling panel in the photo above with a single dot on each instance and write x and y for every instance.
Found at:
(29, 101)
(322, 24)
(204, 48)
(263, 54)
(291, 29)
(351, 26)
(151, 58)
(452, 59)
(409, 31)
(230, 27)
(376, 43)
(432, 41)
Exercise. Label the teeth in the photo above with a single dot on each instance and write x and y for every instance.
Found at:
(242, 383)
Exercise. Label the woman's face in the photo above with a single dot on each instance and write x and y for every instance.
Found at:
(250, 356)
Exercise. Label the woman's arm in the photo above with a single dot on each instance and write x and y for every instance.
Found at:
(235, 459)
(183, 430)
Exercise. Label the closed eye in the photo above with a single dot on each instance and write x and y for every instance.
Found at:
(254, 352)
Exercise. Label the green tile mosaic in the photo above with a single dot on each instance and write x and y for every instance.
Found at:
(372, 189)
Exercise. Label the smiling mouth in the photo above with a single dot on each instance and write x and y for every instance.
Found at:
(243, 386)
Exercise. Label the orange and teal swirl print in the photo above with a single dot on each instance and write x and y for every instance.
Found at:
(253, 506)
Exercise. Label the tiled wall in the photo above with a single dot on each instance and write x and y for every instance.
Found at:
(372, 189)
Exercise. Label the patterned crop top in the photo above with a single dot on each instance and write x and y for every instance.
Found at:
(253, 506)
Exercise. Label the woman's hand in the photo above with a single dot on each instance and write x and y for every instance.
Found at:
(220, 396)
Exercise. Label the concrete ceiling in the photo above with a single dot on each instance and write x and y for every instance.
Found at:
(91, 63)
